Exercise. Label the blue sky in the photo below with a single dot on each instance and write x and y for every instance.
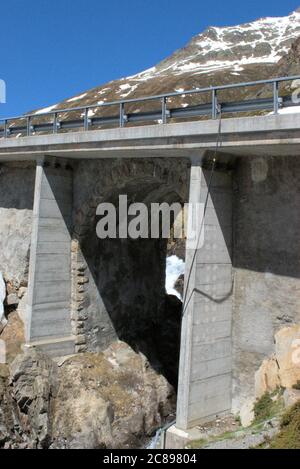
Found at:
(54, 49)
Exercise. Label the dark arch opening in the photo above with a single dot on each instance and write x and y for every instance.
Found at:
(127, 299)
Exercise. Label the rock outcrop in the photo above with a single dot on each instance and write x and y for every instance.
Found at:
(6, 413)
(267, 377)
(283, 368)
(288, 355)
(93, 400)
(12, 337)
(291, 397)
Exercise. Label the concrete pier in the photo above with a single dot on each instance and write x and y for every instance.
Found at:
(49, 290)
(205, 364)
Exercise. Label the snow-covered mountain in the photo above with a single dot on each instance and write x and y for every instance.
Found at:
(231, 48)
(251, 51)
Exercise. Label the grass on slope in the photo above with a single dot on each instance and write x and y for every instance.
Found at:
(268, 406)
(289, 435)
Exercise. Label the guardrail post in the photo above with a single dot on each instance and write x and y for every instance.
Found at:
(5, 129)
(86, 119)
(276, 96)
(214, 103)
(28, 126)
(164, 110)
(55, 123)
(122, 114)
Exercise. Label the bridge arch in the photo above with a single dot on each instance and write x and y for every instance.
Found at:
(119, 284)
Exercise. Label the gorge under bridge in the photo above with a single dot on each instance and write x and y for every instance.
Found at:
(244, 273)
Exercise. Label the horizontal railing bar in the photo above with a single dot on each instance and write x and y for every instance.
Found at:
(155, 97)
(144, 116)
(105, 120)
(190, 111)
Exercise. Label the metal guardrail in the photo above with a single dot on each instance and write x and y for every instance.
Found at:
(163, 114)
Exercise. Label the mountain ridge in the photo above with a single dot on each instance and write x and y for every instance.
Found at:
(219, 55)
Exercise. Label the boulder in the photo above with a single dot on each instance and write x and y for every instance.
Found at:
(290, 397)
(112, 399)
(13, 337)
(287, 351)
(21, 292)
(83, 421)
(267, 377)
(125, 400)
(12, 299)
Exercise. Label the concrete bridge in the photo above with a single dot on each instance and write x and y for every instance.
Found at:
(246, 269)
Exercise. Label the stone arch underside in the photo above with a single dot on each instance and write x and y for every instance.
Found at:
(119, 284)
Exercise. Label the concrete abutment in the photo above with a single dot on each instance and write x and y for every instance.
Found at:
(49, 288)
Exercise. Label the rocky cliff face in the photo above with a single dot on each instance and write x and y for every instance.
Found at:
(107, 400)
(290, 63)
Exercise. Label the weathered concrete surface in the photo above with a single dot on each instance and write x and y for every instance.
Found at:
(266, 262)
(272, 135)
(205, 363)
(16, 204)
(49, 292)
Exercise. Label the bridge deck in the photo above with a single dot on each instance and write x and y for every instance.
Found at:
(268, 135)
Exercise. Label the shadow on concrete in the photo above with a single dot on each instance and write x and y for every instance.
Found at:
(266, 216)
(17, 185)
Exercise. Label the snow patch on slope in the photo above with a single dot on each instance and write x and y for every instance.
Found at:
(46, 109)
(128, 89)
(77, 98)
